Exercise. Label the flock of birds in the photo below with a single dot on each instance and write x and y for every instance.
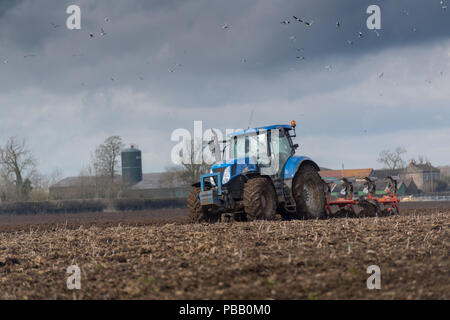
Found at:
(293, 38)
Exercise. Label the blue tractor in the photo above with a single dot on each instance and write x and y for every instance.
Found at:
(263, 177)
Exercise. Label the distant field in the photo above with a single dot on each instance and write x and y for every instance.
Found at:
(159, 255)
(150, 217)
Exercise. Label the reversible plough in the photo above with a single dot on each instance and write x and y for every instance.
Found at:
(366, 203)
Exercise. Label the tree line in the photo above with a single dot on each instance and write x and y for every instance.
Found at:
(20, 180)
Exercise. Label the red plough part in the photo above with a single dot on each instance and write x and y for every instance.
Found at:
(369, 204)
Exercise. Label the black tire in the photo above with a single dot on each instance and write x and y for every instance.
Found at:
(309, 194)
(285, 214)
(198, 213)
(260, 199)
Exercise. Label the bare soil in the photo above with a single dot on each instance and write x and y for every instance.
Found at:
(159, 255)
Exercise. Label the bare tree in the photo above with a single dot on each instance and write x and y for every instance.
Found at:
(18, 164)
(42, 183)
(392, 159)
(190, 170)
(106, 162)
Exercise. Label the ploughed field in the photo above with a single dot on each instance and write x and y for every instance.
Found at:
(160, 255)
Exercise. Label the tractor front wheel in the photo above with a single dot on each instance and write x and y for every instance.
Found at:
(309, 194)
(260, 199)
(198, 213)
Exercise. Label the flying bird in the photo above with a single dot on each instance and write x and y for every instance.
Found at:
(285, 22)
(338, 24)
(301, 21)
(301, 58)
(91, 35)
(360, 34)
(226, 26)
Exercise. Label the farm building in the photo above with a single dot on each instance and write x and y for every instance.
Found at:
(153, 187)
(416, 178)
(424, 175)
(131, 184)
(150, 187)
(406, 184)
(407, 187)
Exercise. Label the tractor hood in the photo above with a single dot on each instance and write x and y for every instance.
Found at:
(237, 167)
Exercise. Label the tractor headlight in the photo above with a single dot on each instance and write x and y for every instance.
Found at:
(226, 175)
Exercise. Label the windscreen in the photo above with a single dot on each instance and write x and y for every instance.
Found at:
(253, 146)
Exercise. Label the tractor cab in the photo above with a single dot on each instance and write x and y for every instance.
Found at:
(268, 148)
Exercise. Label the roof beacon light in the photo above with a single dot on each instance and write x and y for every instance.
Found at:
(294, 125)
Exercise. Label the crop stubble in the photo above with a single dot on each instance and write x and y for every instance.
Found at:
(158, 255)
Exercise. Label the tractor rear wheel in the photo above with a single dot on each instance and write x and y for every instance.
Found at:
(198, 213)
(260, 199)
(309, 194)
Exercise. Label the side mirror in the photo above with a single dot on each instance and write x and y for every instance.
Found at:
(296, 146)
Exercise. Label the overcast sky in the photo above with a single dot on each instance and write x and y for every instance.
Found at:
(65, 92)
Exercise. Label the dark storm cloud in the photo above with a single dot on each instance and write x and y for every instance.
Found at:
(6, 5)
(190, 30)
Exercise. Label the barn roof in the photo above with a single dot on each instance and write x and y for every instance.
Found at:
(73, 182)
(154, 181)
(347, 173)
(383, 173)
(149, 181)
(423, 167)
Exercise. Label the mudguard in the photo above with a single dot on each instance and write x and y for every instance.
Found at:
(294, 163)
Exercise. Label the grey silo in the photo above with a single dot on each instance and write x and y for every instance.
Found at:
(131, 165)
